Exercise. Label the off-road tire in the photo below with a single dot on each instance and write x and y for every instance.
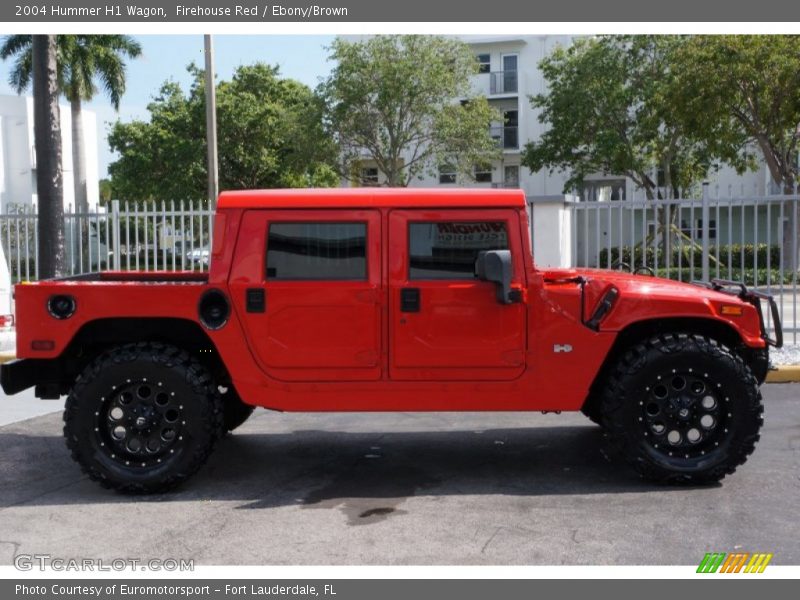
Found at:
(666, 386)
(161, 398)
(234, 411)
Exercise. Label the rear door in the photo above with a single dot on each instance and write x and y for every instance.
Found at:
(309, 297)
(444, 324)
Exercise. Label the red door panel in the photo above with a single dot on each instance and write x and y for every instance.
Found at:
(304, 330)
(458, 331)
(310, 330)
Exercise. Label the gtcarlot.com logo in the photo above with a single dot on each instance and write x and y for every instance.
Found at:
(41, 562)
(737, 562)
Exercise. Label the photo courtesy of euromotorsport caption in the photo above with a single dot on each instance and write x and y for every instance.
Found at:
(389, 300)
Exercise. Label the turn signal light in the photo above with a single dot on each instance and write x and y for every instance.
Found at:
(43, 345)
(732, 310)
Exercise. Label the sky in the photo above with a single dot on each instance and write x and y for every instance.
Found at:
(164, 57)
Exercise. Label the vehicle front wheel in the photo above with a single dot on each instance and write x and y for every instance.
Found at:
(142, 418)
(682, 408)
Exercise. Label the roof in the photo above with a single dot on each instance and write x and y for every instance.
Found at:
(372, 197)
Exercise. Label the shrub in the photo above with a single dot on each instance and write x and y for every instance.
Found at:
(741, 255)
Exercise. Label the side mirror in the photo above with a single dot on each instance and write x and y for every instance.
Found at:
(495, 266)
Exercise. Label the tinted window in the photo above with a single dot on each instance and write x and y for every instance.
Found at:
(317, 251)
(448, 249)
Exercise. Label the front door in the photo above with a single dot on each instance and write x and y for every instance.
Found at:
(444, 324)
(310, 297)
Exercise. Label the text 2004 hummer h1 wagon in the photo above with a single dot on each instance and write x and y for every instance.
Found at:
(388, 300)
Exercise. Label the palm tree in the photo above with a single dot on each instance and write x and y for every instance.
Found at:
(82, 61)
(47, 134)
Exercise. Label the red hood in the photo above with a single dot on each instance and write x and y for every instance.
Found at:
(642, 283)
(642, 297)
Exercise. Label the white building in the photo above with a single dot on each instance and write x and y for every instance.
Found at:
(18, 157)
(509, 75)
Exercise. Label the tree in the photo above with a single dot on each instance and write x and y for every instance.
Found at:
(392, 100)
(734, 87)
(82, 60)
(746, 87)
(106, 191)
(609, 108)
(47, 137)
(269, 135)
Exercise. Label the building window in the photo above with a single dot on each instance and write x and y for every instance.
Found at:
(483, 173)
(448, 249)
(604, 191)
(484, 63)
(511, 176)
(712, 229)
(447, 173)
(314, 251)
(369, 176)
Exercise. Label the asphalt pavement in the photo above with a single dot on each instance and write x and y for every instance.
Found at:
(411, 488)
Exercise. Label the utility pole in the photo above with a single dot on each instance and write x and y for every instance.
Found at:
(211, 124)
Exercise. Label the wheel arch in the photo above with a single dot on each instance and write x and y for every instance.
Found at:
(755, 358)
(98, 335)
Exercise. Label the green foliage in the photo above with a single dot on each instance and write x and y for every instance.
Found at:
(609, 109)
(741, 255)
(773, 277)
(393, 99)
(269, 134)
(106, 191)
(82, 61)
(732, 89)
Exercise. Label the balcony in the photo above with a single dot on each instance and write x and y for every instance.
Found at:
(506, 138)
(503, 82)
(506, 184)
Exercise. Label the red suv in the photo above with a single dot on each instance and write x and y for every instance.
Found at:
(388, 300)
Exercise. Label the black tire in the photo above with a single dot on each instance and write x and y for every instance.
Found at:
(235, 412)
(682, 408)
(142, 418)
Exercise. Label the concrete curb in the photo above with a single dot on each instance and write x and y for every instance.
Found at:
(784, 374)
(781, 374)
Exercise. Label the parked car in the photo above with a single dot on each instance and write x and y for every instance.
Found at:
(389, 300)
(199, 256)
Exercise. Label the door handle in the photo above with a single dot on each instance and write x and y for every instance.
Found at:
(409, 300)
(255, 300)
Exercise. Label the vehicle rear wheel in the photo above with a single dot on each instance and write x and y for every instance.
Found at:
(235, 412)
(682, 408)
(142, 418)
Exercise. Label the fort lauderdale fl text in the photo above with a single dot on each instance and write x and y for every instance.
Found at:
(110, 11)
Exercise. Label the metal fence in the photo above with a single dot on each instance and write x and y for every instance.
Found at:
(154, 236)
(751, 239)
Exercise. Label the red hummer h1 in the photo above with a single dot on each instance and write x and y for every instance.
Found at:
(388, 300)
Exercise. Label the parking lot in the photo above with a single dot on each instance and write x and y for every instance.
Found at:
(405, 489)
